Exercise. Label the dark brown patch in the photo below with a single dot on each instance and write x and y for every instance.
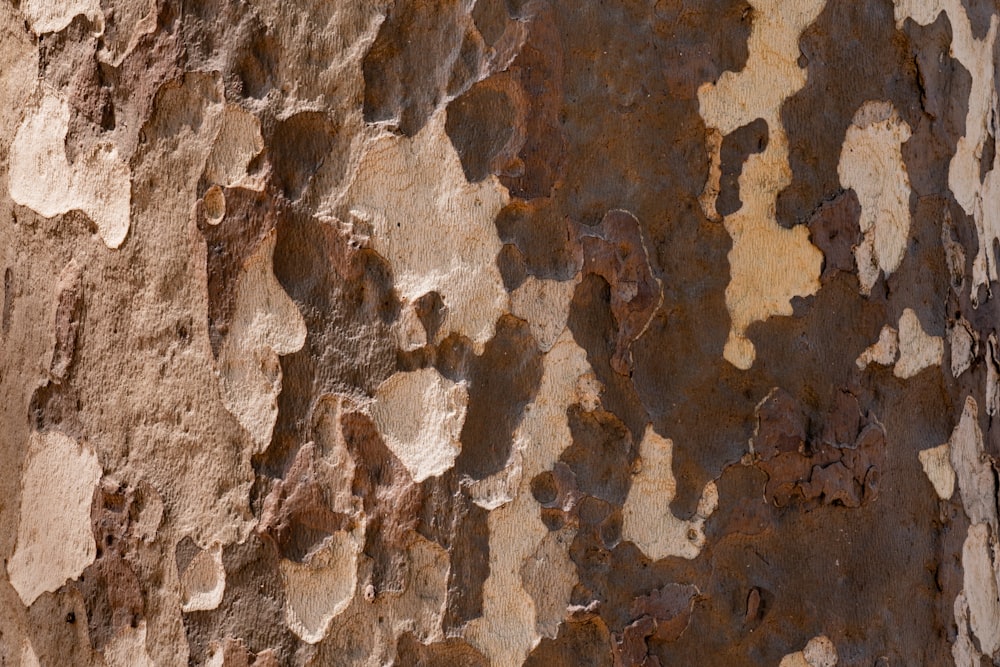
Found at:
(502, 381)
(299, 146)
(250, 217)
(110, 587)
(391, 503)
(886, 72)
(485, 126)
(835, 230)
(399, 88)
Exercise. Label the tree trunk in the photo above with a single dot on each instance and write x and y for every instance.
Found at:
(499, 332)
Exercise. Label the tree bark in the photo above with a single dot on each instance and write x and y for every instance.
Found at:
(499, 332)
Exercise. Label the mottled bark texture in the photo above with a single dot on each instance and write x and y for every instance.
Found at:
(499, 332)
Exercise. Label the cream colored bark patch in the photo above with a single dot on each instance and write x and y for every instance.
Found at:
(203, 582)
(769, 265)
(420, 416)
(42, 178)
(318, 591)
(883, 351)
(55, 541)
(917, 350)
(266, 323)
(975, 474)
(871, 163)
(819, 652)
(936, 462)
(46, 16)
(647, 519)
(237, 143)
(531, 577)
(434, 227)
(980, 587)
(544, 305)
(964, 344)
(128, 648)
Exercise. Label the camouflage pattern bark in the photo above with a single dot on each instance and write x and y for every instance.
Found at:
(499, 332)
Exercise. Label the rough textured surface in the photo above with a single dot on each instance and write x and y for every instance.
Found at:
(499, 332)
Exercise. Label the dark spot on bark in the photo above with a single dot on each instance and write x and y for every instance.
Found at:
(299, 146)
(835, 230)
(485, 126)
(8, 299)
(430, 309)
(512, 265)
(583, 641)
(391, 502)
(737, 146)
(601, 454)
(497, 399)
(399, 87)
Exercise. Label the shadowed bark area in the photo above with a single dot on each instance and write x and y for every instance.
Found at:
(499, 332)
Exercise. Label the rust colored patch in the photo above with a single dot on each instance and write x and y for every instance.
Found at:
(615, 251)
(840, 466)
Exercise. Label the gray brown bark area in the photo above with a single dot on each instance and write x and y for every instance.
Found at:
(499, 332)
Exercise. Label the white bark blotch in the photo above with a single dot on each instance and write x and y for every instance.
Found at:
(871, 163)
(769, 265)
(883, 352)
(531, 576)
(55, 540)
(420, 415)
(917, 349)
(647, 519)
(41, 177)
(819, 652)
(975, 473)
(434, 228)
(936, 463)
(203, 581)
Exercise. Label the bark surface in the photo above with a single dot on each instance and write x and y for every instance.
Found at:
(499, 333)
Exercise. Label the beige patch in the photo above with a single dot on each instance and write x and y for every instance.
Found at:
(819, 652)
(42, 178)
(544, 305)
(917, 350)
(434, 227)
(237, 143)
(45, 16)
(883, 351)
(420, 415)
(55, 541)
(266, 323)
(128, 648)
(936, 462)
(318, 591)
(964, 344)
(647, 519)
(769, 265)
(975, 474)
(203, 582)
(980, 587)
(871, 163)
